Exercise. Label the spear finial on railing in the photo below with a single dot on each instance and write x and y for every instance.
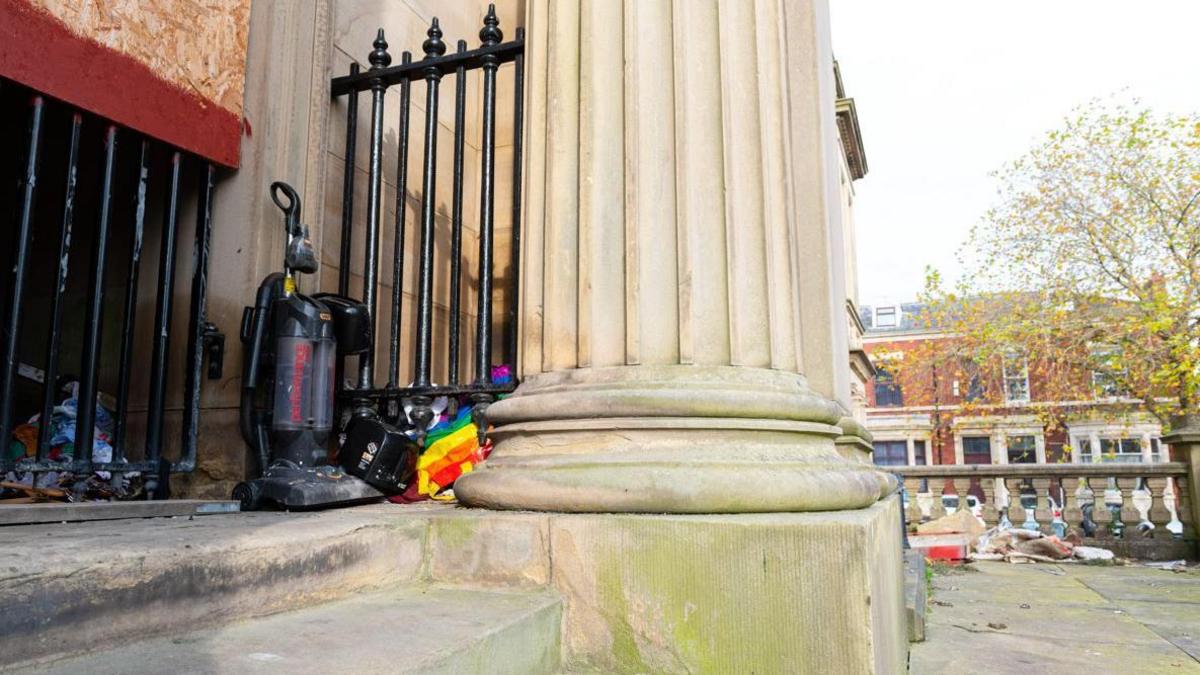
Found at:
(491, 34)
(434, 46)
(379, 57)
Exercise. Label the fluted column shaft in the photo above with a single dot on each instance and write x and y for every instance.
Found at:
(662, 323)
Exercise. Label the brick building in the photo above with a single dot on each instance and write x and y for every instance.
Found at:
(959, 414)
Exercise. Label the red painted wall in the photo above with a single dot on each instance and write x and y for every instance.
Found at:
(39, 51)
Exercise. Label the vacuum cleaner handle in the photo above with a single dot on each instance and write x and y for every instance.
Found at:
(291, 210)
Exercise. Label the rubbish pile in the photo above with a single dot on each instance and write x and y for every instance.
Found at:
(18, 486)
(452, 449)
(963, 536)
(1018, 545)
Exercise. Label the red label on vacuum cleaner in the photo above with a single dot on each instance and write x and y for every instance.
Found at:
(296, 395)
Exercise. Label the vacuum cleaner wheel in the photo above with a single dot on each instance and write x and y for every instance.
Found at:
(249, 494)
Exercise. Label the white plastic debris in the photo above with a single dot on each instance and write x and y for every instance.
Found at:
(1093, 553)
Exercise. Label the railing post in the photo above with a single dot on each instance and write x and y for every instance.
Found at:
(348, 189)
(94, 322)
(398, 239)
(1185, 447)
(131, 301)
(12, 324)
(50, 394)
(379, 59)
(422, 413)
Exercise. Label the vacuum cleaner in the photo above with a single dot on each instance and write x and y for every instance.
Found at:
(293, 348)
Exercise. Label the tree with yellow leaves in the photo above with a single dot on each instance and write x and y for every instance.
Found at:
(1086, 271)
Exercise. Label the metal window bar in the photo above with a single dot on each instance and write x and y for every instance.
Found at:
(488, 58)
(122, 181)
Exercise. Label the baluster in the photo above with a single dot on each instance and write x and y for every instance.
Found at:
(1085, 497)
(1113, 500)
(925, 501)
(1142, 501)
(975, 499)
(950, 500)
(1041, 487)
(1171, 503)
(1057, 498)
(1070, 503)
(987, 497)
(1158, 512)
(1029, 502)
(1003, 500)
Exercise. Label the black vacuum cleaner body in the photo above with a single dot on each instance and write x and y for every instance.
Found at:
(292, 348)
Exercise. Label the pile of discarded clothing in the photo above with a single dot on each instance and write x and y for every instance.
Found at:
(962, 536)
(20, 485)
(1019, 545)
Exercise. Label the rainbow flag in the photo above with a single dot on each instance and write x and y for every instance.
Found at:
(451, 450)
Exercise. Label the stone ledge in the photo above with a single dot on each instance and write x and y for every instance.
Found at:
(767, 592)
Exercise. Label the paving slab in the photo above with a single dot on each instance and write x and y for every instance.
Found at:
(401, 630)
(1004, 618)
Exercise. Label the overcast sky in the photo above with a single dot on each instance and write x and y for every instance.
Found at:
(949, 90)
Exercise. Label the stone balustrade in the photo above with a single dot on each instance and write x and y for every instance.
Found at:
(1107, 503)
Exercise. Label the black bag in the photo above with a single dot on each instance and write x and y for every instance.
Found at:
(378, 453)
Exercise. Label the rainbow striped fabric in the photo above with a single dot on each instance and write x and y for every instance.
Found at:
(451, 450)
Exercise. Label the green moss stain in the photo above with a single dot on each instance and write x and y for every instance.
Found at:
(454, 533)
(611, 590)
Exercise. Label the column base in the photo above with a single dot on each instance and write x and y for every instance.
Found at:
(751, 593)
(669, 439)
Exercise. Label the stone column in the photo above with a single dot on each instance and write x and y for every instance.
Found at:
(665, 272)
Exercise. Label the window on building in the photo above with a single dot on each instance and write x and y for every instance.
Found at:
(1085, 449)
(1016, 378)
(977, 450)
(975, 389)
(1112, 449)
(891, 453)
(885, 317)
(919, 453)
(887, 391)
(1107, 372)
(1156, 450)
(1022, 449)
(1121, 450)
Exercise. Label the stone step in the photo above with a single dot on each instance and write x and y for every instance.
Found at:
(422, 629)
(78, 586)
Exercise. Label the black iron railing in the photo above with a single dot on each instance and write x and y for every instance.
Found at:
(79, 178)
(378, 79)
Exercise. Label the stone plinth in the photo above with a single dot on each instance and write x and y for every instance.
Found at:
(763, 593)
